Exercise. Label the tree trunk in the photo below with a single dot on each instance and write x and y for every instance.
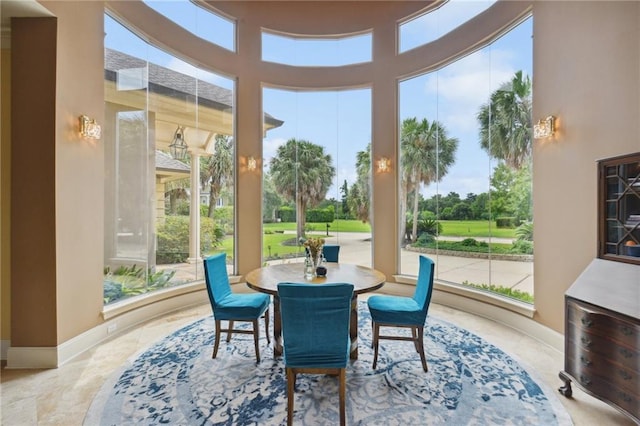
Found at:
(213, 200)
(416, 199)
(403, 213)
(300, 218)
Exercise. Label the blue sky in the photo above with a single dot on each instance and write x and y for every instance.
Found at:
(341, 120)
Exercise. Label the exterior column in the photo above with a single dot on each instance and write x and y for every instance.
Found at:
(194, 210)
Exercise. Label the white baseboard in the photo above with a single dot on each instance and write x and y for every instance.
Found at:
(53, 357)
(4, 347)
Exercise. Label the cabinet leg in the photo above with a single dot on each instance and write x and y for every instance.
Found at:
(566, 389)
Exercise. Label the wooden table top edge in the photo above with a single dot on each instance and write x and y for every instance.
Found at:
(253, 278)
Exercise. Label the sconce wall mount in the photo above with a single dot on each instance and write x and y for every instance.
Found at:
(252, 163)
(384, 165)
(89, 128)
(544, 128)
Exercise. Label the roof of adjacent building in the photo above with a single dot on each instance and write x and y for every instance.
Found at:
(171, 83)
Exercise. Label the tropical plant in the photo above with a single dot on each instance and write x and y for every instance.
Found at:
(524, 232)
(505, 122)
(358, 198)
(270, 199)
(303, 173)
(427, 153)
(217, 170)
(176, 190)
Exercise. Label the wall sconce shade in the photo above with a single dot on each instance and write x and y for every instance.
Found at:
(384, 165)
(89, 129)
(252, 163)
(178, 147)
(544, 128)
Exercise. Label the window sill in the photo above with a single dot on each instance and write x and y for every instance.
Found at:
(512, 305)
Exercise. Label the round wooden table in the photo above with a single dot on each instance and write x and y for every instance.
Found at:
(266, 279)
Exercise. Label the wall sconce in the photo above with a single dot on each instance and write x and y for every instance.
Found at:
(178, 147)
(252, 163)
(89, 129)
(384, 165)
(544, 128)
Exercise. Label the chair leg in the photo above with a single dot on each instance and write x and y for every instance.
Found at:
(291, 383)
(376, 334)
(266, 325)
(217, 340)
(420, 344)
(256, 338)
(414, 336)
(342, 392)
(229, 331)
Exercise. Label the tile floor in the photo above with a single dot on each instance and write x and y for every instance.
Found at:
(62, 396)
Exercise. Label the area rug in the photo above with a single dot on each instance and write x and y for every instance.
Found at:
(470, 382)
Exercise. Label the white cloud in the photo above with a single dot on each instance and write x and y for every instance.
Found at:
(270, 148)
(462, 87)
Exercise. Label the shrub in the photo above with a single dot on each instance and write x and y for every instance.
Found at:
(522, 247)
(507, 222)
(472, 242)
(173, 238)
(525, 232)
(505, 291)
(130, 281)
(321, 215)
(424, 239)
(286, 214)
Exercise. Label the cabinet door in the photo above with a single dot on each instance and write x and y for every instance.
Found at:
(619, 210)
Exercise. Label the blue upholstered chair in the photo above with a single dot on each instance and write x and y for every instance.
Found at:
(404, 312)
(315, 329)
(228, 306)
(331, 252)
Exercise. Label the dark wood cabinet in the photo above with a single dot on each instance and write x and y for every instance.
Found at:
(619, 208)
(602, 335)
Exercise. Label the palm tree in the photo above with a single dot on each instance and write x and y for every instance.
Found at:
(505, 123)
(360, 193)
(427, 154)
(176, 190)
(217, 170)
(302, 173)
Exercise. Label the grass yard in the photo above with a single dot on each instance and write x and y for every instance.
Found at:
(335, 226)
(273, 236)
(475, 228)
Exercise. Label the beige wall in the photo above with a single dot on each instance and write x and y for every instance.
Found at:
(5, 194)
(57, 193)
(587, 73)
(586, 77)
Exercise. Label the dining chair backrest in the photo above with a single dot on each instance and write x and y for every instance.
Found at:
(331, 252)
(216, 277)
(424, 286)
(315, 324)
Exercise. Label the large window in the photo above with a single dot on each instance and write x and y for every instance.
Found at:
(316, 51)
(436, 23)
(169, 153)
(201, 22)
(317, 173)
(465, 151)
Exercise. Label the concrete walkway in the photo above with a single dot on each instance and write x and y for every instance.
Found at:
(517, 275)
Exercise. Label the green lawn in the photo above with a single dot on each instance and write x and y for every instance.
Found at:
(272, 239)
(335, 226)
(474, 228)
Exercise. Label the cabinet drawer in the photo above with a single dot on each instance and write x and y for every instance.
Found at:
(585, 318)
(589, 364)
(620, 397)
(579, 342)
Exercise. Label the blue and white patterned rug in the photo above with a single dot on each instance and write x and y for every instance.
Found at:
(470, 382)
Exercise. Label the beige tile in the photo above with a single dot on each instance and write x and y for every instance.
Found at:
(62, 396)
